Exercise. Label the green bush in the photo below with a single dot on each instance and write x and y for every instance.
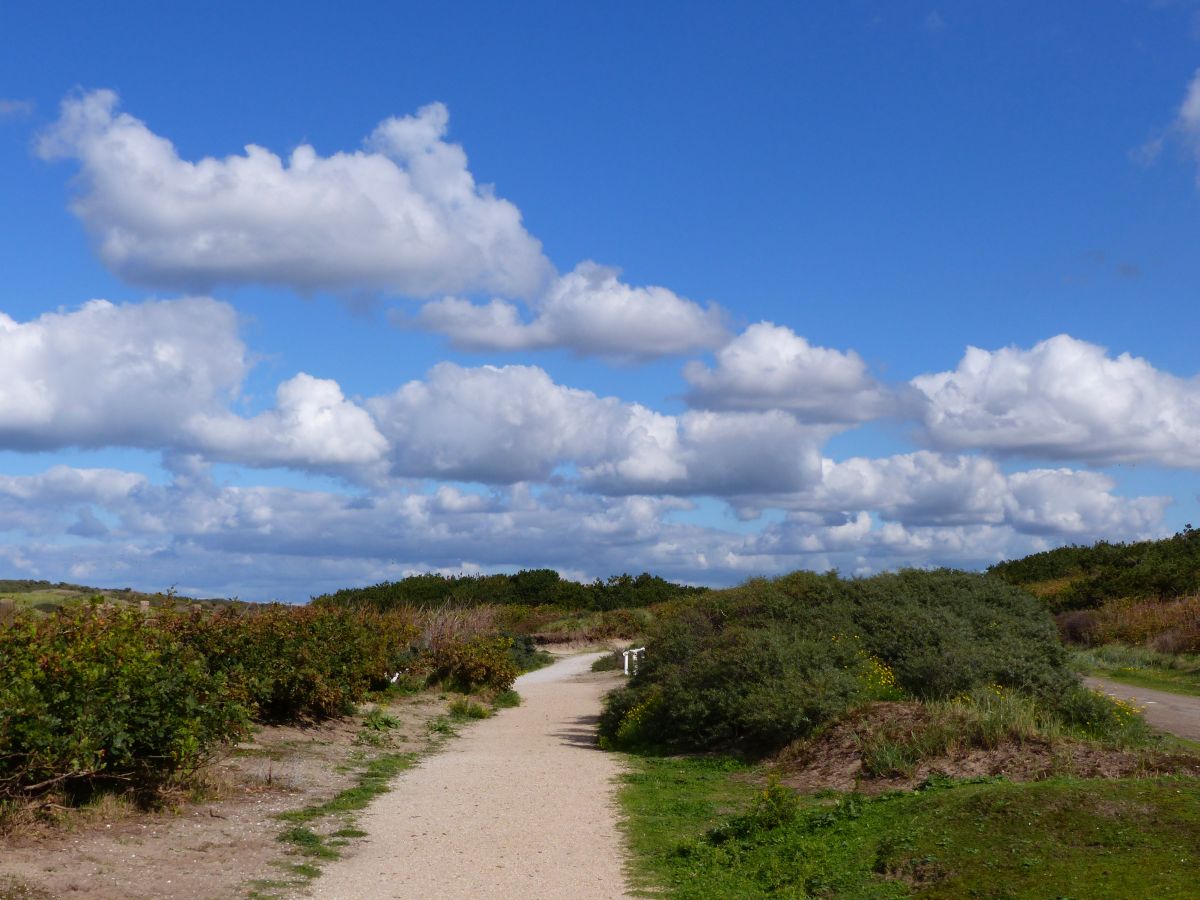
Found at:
(482, 662)
(298, 663)
(1098, 716)
(95, 694)
(755, 667)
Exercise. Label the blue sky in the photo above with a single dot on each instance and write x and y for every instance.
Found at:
(679, 287)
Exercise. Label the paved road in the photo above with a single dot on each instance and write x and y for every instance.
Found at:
(1174, 713)
(520, 806)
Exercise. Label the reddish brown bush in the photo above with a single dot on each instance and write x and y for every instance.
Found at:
(1172, 626)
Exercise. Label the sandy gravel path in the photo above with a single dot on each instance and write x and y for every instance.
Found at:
(1174, 713)
(521, 806)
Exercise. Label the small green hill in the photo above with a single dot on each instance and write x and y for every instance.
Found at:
(1077, 577)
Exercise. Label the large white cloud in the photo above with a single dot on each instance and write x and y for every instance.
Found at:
(403, 216)
(514, 423)
(769, 366)
(116, 375)
(1064, 399)
(591, 311)
(162, 375)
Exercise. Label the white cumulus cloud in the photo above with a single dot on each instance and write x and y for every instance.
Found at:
(402, 216)
(769, 366)
(162, 375)
(108, 374)
(312, 424)
(502, 425)
(925, 489)
(1065, 399)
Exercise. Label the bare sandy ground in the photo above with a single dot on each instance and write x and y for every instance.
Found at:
(1174, 713)
(521, 805)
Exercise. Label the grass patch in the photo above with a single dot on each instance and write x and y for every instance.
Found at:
(506, 699)
(373, 780)
(609, 662)
(307, 842)
(463, 710)
(1059, 837)
(669, 801)
(378, 720)
(307, 871)
(377, 728)
(13, 888)
(1177, 673)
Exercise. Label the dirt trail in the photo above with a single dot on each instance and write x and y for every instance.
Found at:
(521, 805)
(1173, 713)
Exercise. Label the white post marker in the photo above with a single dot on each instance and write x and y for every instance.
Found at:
(633, 656)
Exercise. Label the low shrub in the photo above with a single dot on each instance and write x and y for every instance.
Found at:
(94, 694)
(1096, 715)
(1085, 577)
(758, 666)
(609, 662)
(525, 653)
(1077, 626)
(482, 662)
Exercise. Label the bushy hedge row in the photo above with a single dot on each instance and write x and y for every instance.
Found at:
(107, 694)
(529, 587)
(295, 663)
(94, 693)
(758, 666)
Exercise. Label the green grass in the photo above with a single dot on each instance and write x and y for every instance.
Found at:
(506, 699)
(463, 710)
(1141, 667)
(307, 842)
(373, 780)
(668, 801)
(990, 838)
(374, 776)
(609, 662)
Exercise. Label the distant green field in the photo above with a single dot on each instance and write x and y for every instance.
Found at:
(46, 596)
